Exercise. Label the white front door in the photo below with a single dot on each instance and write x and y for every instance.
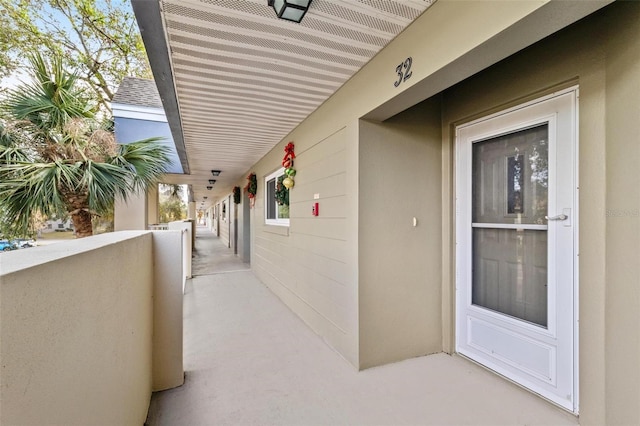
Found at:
(516, 190)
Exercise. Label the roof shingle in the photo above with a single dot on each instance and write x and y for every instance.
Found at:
(138, 91)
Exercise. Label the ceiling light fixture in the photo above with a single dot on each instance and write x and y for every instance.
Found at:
(212, 181)
(215, 172)
(209, 188)
(290, 10)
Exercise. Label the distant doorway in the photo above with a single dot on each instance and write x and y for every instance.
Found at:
(216, 220)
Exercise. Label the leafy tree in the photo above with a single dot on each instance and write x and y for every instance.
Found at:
(171, 191)
(170, 206)
(99, 38)
(171, 210)
(58, 160)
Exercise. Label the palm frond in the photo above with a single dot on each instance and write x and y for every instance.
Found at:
(51, 100)
(11, 149)
(30, 188)
(146, 160)
(104, 182)
(67, 164)
(9, 155)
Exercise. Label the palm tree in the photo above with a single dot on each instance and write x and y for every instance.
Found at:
(171, 190)
(59, 160)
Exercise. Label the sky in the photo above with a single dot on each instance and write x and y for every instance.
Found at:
(13, 80)
(18, 76)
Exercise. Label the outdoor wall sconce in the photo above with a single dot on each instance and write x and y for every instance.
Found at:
(212, 181)
(209, 188)
(215, 172)
(291, 10)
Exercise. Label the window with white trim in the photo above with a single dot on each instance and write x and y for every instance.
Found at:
(276, 200)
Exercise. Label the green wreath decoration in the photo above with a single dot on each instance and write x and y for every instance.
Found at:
(282, 193)
(252, 186)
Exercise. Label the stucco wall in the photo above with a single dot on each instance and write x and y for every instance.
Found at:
(153, 213)
(77, 330)
(168, 288)
(602, 55)
(131, 215)
(187, 230)
(399, 263)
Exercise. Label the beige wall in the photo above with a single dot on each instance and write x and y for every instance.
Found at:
(303, 263)
(79, 328)
(168, 288)
(399, 263)
(622, 309)
(191, 210)
(310, 265)
(602, 55)
(153, 212)
(313, 265)
(131, 215)
(224, 225)
(186, 229)
(244, 228)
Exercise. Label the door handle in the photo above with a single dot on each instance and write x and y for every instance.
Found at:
(558, 217)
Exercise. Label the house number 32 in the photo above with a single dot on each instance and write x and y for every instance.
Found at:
(404, 71)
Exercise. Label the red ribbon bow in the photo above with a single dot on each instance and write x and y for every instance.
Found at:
(289, 155)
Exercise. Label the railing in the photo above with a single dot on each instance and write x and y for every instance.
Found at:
(90, 327)
(188, 237)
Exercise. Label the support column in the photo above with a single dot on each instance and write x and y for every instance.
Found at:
(131, 215)
(153, 211)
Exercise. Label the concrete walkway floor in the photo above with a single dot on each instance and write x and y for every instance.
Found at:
(250, 361)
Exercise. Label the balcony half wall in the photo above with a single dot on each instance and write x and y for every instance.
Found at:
(89, 328)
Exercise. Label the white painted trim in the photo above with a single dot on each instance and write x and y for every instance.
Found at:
(576, 254)
(277, 222)
(509, 226)
(138, 112)
(463, 246)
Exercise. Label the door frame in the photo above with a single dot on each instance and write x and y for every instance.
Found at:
(460, 227)
(246, 228)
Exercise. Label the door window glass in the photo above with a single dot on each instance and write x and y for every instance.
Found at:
(510, 189)
(510, 177)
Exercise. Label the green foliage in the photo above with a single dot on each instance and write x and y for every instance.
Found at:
(172, 191)
(282, 193)
(252, 185)
(57, 159)
(172, 210)
(99, 38)
(170, 205)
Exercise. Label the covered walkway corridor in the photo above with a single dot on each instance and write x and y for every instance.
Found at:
(250, 361)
